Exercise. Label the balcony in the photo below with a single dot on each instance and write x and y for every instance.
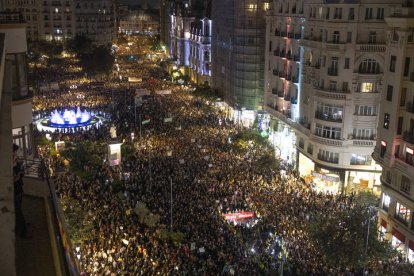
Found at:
(370, 48)
(277, 32)
(274, 91)
(332, 71)
(276, 53)
(329, 160)
(326, 141)
(275, 72)
(328, 117)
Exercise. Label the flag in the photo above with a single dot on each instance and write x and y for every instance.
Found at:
(146, 121)
(167, 120)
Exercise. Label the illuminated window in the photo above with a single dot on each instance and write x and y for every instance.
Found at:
(367, 87)
(385, 202)
(402, 213)
(252, 7)
(266, 6)
(56, 10)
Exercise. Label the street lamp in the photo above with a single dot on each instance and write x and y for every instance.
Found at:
(372, 210)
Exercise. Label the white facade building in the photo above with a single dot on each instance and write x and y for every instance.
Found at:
(325, 63)
(200, 51)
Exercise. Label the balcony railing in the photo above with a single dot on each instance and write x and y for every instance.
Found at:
(332, 72)
(327, 117)
(330, 160)
(275, 72)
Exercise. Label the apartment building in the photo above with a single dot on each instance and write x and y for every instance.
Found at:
(325, 65)
(200, 51)
(59, 20)
(238, 41)
(15, 123)
(394, 149)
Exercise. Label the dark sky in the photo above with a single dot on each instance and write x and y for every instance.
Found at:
(151, 3)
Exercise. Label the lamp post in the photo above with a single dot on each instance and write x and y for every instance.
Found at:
(370, 210)
(171, 205)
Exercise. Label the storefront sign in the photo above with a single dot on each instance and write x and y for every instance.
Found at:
(238, 216)
(326, 177)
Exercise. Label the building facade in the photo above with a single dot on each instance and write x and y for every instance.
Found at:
(238, 40)
(59, 20)
(324, 76)
(200, 52)
(15, 124)
(394, 149)
(138, 22)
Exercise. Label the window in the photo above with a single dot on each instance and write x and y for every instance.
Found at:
(328, 132)
(409, 157)
(386, 124)
(369, 66)
(367, 87)
(368, 13)
(327, 156)
(335, 37)
(310, 149)
(270, 46)
(380, 13)
(383, 148)
(400, 125)
(338, 13)
(393, 61)
(349, 37)
(389, 93)
(345, 86)
(402, 213)
(301, 143)
(363, 133)
(327, 13)
(386, 199)
(406, 66)
(329, 112)
(405, 184)
(351, 14)
(403, 96)
(372, 37)
(332, 85)
(361, 159)
(346, 66)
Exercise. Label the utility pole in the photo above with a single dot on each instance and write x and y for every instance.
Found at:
(171, 205)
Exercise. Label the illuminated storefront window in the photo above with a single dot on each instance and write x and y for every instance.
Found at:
(402, 213)
(385, 202)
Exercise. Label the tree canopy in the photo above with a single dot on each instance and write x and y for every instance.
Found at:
(341, 237)
(99, 61)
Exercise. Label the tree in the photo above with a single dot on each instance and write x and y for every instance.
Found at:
(341, 236)
(51, 49)
(99, 61)
(80, 45)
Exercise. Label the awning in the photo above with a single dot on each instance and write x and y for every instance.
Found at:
(398, 235)
(383, 223)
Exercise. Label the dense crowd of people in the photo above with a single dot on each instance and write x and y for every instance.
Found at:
(188, 172)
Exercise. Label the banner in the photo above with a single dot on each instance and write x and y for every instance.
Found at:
(146, 122)
(168, 120)
(163, 92)
(238, 216)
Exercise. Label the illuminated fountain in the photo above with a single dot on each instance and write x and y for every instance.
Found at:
(69, 119)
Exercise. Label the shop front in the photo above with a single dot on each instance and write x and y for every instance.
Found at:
(398, 240)
(283, 139)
